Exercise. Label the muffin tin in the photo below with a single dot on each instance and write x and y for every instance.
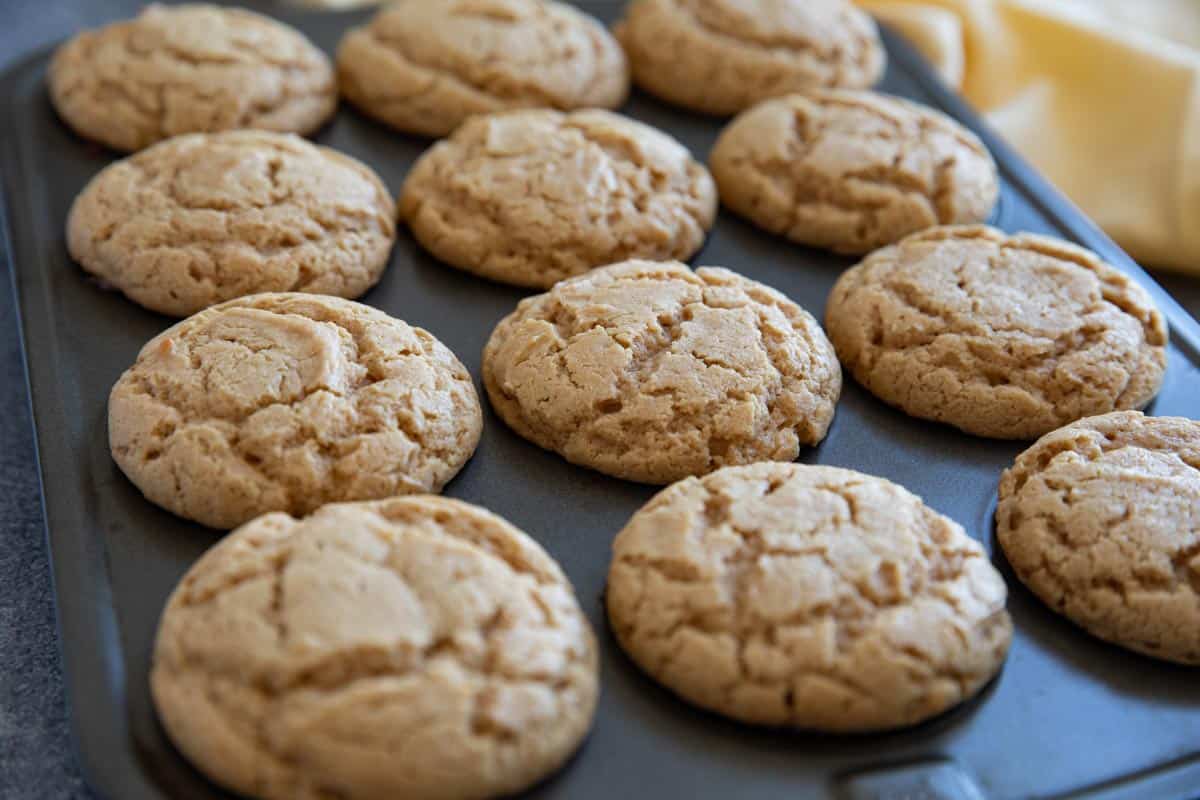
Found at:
(1069, 716)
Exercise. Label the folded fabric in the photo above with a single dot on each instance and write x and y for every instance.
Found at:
(1103, 96)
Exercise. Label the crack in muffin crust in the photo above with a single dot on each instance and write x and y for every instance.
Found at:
(852, 171)
(413, 646)
(1001, 336)
(1101, 520)
(204, 218)
(190, 68)
(425, 67)
(284, 402)
(811, 597)
(651, 372)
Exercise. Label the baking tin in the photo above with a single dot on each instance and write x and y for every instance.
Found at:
(1068, 716)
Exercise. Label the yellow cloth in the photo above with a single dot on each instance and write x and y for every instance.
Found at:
(1102, 95)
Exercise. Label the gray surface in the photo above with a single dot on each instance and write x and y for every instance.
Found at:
(36, 759)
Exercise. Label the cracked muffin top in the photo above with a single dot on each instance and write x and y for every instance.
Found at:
(187, 69)
(1001, 336)
(204, 218)
(424, 67)
(1101, 519)
(810, 597)
(852, 171)
(532, 197)
(722, 56)
(285, 402)
(649, 371)
(412, 647)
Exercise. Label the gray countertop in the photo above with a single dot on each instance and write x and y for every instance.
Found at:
(36, 756)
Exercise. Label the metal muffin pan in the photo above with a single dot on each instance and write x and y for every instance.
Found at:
(1068, 715)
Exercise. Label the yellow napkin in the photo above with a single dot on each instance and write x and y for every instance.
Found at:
(1102, 95)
